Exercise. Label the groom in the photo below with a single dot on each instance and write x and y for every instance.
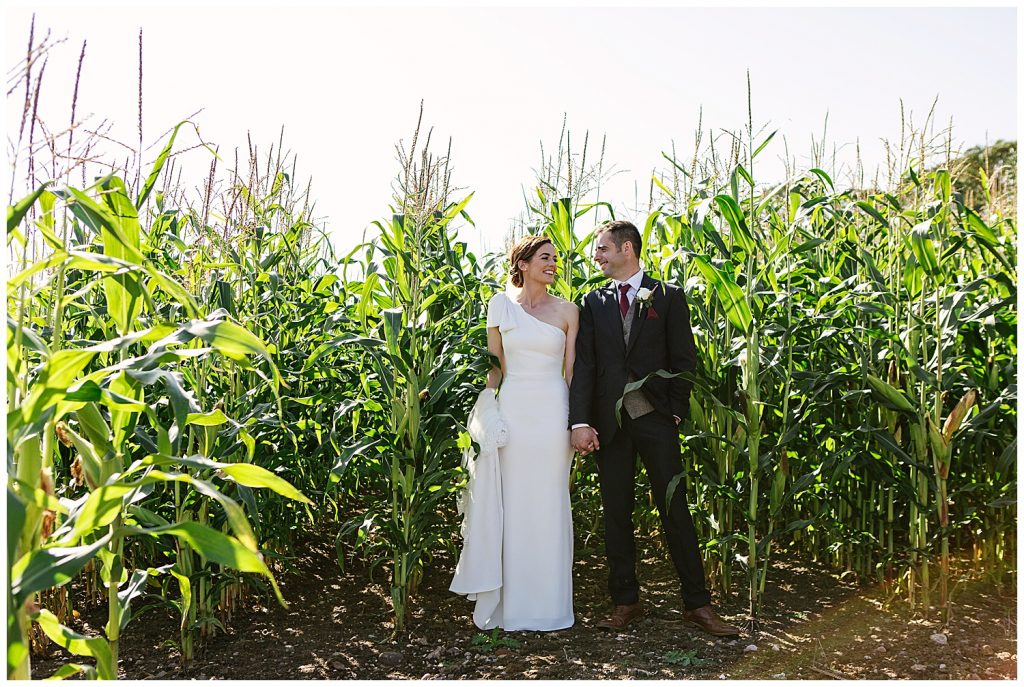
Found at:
(629, 329)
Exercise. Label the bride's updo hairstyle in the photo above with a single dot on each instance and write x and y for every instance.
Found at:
(524, 249)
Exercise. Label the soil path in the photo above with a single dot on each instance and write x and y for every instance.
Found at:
(816, 626)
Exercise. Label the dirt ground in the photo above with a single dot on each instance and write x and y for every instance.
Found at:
(815, 625)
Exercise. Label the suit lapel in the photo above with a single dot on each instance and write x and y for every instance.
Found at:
(638, 319)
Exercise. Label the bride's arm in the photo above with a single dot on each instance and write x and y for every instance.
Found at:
(494, 346)
(570, 341)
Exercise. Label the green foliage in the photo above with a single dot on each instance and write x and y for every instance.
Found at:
(684, 659)
(490, 642)
(191, 382)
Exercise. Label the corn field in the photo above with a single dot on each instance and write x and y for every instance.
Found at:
(194, 373)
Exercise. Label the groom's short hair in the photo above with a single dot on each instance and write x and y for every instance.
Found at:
(620, 232)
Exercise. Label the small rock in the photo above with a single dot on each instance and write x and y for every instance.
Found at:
(986, 650)
(422, 641)
(435, 654)
(749, 648)
(779, 676)
(973, 676)
(776, 647)
(337, 665)
(940, 638)
(880, 649)
(942, 667)
(391, 658)
(918, 667)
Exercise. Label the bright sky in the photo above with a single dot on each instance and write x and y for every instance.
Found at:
(346, 83)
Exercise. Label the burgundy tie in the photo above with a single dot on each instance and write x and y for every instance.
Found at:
(623, 301)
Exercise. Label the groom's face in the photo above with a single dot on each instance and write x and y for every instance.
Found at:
(608, 256)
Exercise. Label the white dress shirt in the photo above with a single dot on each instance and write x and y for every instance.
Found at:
(634, 286)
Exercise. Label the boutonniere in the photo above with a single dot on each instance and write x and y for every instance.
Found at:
(644, 299)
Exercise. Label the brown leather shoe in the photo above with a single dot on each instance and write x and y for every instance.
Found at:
(706, 619)
(622, 616)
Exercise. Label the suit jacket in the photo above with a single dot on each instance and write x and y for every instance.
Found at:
(604, 362)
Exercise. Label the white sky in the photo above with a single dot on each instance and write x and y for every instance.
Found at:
(346, 83)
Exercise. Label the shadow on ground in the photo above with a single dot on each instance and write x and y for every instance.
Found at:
(815, 625)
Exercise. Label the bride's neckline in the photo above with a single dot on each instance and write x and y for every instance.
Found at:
(526, 312)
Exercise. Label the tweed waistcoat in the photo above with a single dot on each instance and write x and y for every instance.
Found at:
(635, 403)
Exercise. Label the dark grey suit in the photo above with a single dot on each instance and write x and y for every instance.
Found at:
(660, 338)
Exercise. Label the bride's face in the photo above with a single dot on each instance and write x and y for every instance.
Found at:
(542, 267)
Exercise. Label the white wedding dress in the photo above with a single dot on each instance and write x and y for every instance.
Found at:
(537, 538)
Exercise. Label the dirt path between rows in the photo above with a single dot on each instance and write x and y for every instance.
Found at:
(816, 625)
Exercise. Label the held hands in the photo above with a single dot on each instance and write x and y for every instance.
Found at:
(584, 440)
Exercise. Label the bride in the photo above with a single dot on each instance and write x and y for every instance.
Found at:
(533, 334)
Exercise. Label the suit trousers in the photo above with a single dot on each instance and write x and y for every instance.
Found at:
(655, 437)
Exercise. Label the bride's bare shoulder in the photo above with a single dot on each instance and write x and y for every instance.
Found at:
(567, 309)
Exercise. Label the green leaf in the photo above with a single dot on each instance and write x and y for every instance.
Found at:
(69, 669)
(46, 223)
(232, 340)
(250, 443)
(134, 589)
(16, 212)
(235, 515)
(217, 547)
(923, 248)
(16, 512)
(172, 288)
(124, 416)
(50, 567)
(943, 184)
(52, 383)
(78, 644)
(254, 476)
(185, 586)
(102, 506)
(873, 211)
(634, 386)
(347, 454)
(734, 216)
(820, 173)
(212, 419)
(730, 295)
(158, 165)
(764, 143)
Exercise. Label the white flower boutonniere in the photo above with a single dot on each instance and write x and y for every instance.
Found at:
(644, 299)
(643, 296)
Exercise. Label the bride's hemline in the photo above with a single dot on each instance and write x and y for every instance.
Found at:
(557, 626)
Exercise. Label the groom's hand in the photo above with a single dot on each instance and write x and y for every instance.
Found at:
(584, 440)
